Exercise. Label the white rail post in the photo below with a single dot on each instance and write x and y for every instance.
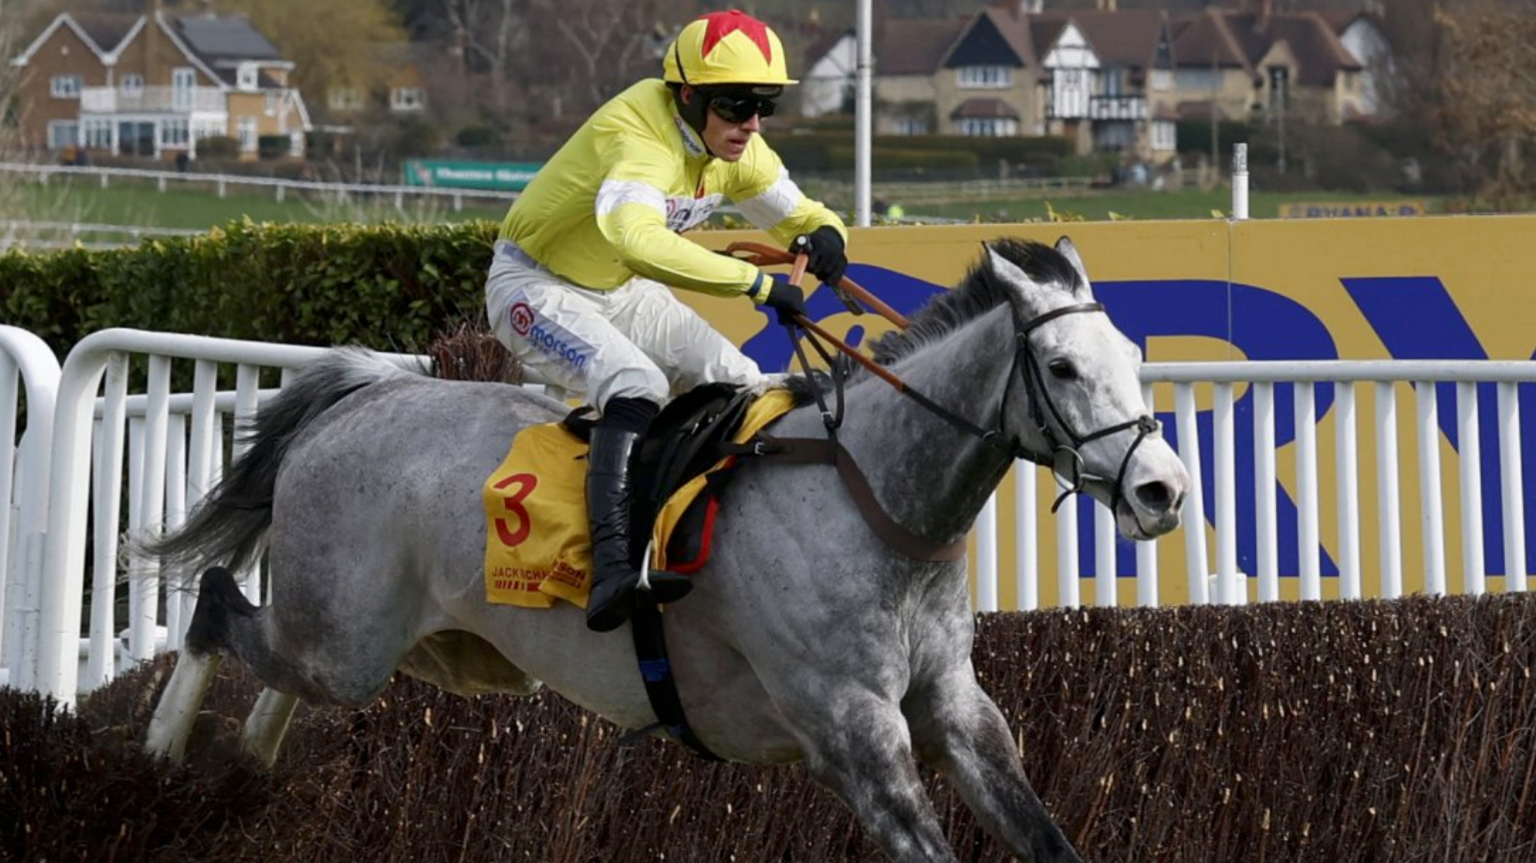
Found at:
(1513, 486)
(1229, 590)
(1026, 543)
(1348, 479)
(107, 507)
(1308, 546)
(1389, 516)
(1473, 572)
(1067, 575)
(25, 358)
(1194, 502)
(1266, 531)
(1432, 508)
(1105, 580)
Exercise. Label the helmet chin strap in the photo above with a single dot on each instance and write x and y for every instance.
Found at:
(695, 112)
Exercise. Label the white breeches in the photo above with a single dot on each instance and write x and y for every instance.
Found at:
(635, 341)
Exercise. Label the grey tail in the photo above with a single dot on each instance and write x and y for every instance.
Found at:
(229, 525)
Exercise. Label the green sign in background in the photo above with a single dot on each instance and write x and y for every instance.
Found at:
(496, 176)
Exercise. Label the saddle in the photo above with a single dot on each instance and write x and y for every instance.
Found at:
(691, 435)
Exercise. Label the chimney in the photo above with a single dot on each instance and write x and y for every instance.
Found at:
(1109, 5)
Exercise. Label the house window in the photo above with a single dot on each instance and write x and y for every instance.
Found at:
(345, 99)
(132, 83)
(96, 133)
(989, 127)
(246, 76)
(174, 132)
(1165, 137)
(207, 129)
(986, 76)
(246, 133)
(407, 99)
(65, 87)
(63, 133)
(1279, 87)
(1161, 79)
(911, 126)
(272, 103)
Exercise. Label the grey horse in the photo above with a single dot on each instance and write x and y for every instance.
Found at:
(807, 637)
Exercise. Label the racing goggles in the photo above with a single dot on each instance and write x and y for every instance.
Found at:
(740, 107)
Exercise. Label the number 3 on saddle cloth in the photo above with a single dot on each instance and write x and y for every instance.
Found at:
(538, 547)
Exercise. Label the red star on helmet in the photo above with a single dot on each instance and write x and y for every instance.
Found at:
(723, 24)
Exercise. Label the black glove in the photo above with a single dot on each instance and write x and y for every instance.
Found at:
(787, 300)
(824, 248)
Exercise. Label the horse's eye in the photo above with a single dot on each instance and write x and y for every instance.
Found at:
(1062, 369)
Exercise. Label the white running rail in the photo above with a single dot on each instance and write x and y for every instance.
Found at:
(173, 447)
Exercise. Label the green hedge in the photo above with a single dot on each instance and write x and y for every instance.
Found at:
(388, 286)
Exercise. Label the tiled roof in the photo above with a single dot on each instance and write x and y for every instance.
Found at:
(914, 46)
(106, 29)
(1248, 36)
(1125, 38)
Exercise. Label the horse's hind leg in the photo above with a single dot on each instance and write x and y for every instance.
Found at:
(222, 623)
(267, 723)
(957, 729)
(177, 709)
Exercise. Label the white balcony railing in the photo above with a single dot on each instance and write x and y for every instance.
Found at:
(170, 100)
(1117, 108)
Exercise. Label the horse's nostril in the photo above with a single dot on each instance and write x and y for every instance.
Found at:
(1155, 496)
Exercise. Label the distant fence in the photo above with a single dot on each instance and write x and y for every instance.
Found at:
(59, 235)
(280, 188)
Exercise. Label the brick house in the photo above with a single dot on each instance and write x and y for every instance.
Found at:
(1110, 79)
(155, 85)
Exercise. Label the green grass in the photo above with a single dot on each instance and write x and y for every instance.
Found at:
(141, 205)
(1183, 204)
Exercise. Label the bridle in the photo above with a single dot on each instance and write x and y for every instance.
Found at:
(1064, 444)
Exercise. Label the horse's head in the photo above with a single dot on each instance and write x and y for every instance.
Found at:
(1083, 412)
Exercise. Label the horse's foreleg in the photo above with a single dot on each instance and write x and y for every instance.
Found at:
(177, 709)
(958, 730)
(864, 756)
(267, 723)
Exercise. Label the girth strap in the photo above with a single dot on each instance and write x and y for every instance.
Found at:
(832, 452)
(660, 685)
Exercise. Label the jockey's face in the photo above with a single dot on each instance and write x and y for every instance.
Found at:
(727, 140)
(733, 117)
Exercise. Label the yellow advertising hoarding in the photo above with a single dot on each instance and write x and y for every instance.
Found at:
(1430, 288)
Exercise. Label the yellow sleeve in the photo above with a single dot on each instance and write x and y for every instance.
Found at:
(765, 194)
(631, 209)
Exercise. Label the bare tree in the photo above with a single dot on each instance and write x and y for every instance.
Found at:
(602, 44)
(1483, 96)
(491, 35)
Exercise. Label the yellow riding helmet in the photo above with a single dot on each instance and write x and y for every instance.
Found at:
(725, 48)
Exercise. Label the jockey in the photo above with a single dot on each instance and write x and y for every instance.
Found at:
(579, 285)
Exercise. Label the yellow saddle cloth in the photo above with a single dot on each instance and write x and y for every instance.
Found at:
(538, 547)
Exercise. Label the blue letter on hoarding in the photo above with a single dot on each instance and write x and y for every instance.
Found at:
(1262, 325)
(1417, 319)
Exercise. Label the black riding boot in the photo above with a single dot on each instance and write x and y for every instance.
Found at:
(614, 577)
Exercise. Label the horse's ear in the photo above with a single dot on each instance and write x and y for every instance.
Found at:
(1009, 272)
(1069, 251)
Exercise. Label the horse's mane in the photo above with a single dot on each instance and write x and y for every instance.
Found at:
(981, 291)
